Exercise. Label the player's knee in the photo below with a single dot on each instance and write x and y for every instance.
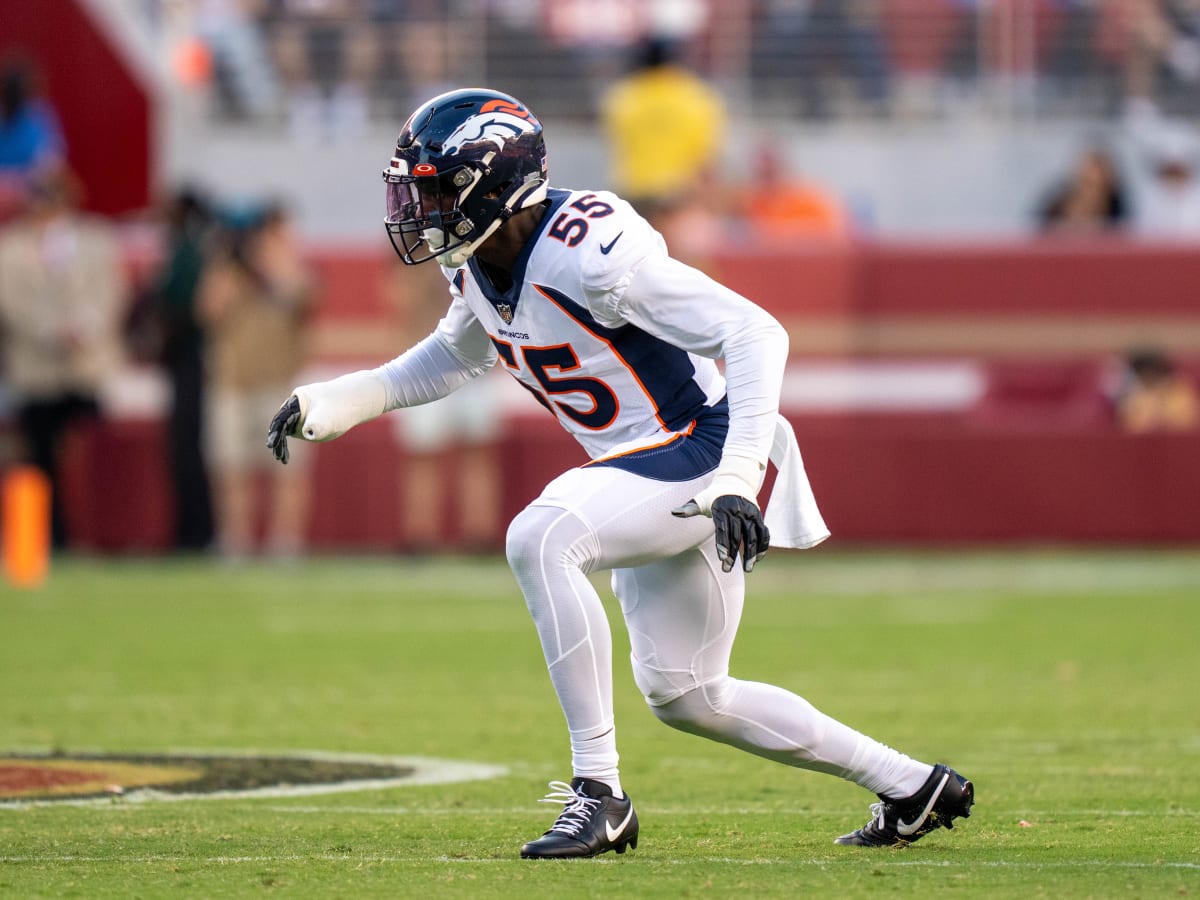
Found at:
(680, 702)
(657, 687)
(697, 711)
(521, 540)
(545, 535)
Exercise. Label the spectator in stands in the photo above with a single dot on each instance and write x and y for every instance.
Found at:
(62, 297)
(778, 205)
(1151, 38)
(434, 26)
(842, 40)
(664, 125)
(461, 428)
(1155, 396)
(173, 295)
(934, 50)
(1169, 207)
(820, 56)
(1092, 199)
(31, 139)
(245, 82)
(256, 293)
(327, 54)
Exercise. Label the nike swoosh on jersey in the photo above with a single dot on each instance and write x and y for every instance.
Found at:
(607, 248)
(613, 834)
(907, 828)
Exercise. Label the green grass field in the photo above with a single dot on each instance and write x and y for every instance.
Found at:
(1065, 684)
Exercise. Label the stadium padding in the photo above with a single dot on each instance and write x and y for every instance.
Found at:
(1036, 456)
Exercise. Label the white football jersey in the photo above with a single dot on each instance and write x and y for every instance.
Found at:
(563, 329)
(618, 341)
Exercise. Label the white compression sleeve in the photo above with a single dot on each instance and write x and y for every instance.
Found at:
(686, 307)
(328, 409)
(424, 373)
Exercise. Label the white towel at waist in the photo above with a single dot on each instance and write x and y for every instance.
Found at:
(792, 515)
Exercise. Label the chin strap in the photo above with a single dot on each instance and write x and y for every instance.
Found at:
(452, 259)
(528, 195)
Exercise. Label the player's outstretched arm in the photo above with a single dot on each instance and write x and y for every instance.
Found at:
(327, 410)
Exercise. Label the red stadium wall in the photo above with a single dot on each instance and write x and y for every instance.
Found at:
(1056, 299)
(104, 110)
(1035, 457)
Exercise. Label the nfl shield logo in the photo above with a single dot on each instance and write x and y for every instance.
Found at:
(505, 312)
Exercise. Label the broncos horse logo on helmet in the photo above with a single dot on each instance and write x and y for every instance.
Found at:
(465, 161)
(498, 122)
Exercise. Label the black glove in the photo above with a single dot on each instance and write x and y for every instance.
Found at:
(739, 526)
(282, 425)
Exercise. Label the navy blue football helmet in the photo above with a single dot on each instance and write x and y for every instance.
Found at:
(465, 162)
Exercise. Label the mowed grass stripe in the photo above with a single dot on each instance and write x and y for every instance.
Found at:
(1056, 680)
(829, 570)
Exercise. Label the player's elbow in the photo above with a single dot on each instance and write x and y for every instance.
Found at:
(756, 341)
(768, 336)
(776, 336)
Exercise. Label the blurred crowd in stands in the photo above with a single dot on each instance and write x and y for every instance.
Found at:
(1097, 197)
(222, 313)
(330, 65)
(225, 311)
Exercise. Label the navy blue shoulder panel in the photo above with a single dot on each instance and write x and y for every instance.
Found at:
(665, 371)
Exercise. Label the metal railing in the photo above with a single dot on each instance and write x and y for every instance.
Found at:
(281, 61)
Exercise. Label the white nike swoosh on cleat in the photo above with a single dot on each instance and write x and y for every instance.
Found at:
(614, 834)
(907, 828)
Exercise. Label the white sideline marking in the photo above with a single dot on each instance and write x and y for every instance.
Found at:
(1001, 816)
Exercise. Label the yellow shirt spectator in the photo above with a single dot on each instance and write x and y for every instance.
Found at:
(664, 124)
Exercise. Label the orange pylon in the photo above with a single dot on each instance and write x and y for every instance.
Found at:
(26, 521)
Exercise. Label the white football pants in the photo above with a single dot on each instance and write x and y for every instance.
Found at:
(682, 613)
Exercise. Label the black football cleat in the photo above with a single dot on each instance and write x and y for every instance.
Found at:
(946, 796)
(592, 822)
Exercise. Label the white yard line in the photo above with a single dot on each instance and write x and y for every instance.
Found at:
(1014, 815)
(823, 862)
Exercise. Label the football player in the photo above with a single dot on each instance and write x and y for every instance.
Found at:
(576, 297)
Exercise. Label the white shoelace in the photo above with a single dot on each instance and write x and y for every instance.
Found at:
(877, 812)
(576, 811)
